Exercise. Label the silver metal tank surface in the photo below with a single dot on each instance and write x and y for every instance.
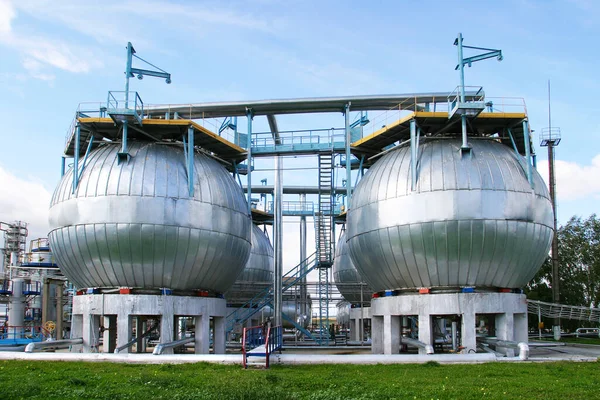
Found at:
(345, 273)
(258, 273)
(134, 224)
(472, 220)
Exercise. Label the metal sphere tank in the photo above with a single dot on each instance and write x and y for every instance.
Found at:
(472, 220)
(345, 274)
(258, 273)
(135, 225)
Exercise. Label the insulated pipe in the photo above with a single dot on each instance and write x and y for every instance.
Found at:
(163, 346)
(413, 342)
(55, 344)
(303, 290)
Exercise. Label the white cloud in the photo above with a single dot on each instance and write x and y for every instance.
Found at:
(573, 180)
(24, 200)
(7, 14)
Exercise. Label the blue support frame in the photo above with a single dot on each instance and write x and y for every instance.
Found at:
(528, 151)
(87, 151)
(190, 160)
(76, 157)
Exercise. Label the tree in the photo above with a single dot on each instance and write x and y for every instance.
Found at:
(579, 265)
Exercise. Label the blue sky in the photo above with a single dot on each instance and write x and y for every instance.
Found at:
(56, 54)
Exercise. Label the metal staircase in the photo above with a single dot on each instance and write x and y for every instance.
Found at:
(324, 242)
(264, 298)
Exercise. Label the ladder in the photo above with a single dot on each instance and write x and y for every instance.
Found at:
(324, 236)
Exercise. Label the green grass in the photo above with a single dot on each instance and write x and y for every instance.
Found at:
(79, 380)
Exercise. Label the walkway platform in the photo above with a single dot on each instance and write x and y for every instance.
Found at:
(435, 123)
(153, 129)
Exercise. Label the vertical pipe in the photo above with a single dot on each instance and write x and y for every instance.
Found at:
(76, 157)
(527, 152)
(190, 161)
(463, 123)
(62, 167)
(124, 143)
(454, 335)
(413, 151)
(249, 145)
(348, 155)
(59, 311)
(128, 72)
(303, 292)
(362, 315)
(278, 238)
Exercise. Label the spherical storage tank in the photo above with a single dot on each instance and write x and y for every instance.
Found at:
(258, 273)
(472, 220)
(345, 275)
(134, 224)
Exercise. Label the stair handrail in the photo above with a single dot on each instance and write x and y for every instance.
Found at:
(260, 300)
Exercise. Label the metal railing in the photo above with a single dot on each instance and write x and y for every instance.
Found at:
(262, 299)
(327, 137)
(563, 311)
(20, 333)
(271, 337)
(300, 207)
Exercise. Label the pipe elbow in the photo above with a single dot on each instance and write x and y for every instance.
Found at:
(429, 349)
(523, 351)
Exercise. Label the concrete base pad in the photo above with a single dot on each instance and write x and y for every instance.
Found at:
(120, 311)
(508, 309)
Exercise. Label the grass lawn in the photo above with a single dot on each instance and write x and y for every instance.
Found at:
(80, 380)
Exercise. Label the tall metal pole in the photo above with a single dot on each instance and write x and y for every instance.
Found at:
(303, 291)
(552, 179)
(278, 239)
(461, 67)
(348, 155)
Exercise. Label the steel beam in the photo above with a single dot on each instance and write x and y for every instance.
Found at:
(249, 116)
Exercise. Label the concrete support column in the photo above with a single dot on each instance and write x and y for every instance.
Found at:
(123, 331)
(139, 331)
(468, 332)
(505, 329)
(76, 332)
(202, 336)
(109, 336)
(520, 324)
(391, 334)
(91, 333)
(219, 335)
(425, 331)
(377, 335)
(167, 330)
